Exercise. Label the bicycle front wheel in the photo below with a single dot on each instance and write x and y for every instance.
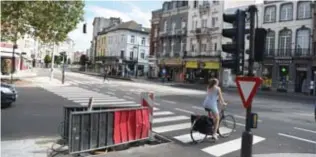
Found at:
(227, 125)
(196, 136)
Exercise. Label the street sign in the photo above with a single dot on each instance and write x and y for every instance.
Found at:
(247, 88)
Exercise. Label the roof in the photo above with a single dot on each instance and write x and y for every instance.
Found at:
(130, 25)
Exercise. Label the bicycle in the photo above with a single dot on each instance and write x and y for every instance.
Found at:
(208, 130)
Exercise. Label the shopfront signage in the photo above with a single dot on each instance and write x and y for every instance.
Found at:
(283, 61)
(191, 64)
(171, 61)
(211, 65)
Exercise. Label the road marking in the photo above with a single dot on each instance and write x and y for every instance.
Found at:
(113, 90)
(241, 117)
(168, 128)
(169, 119)
(297, 138)
(156, 109)
(228, 147)
(157, 104)
(186, 138)
(110, 103)
(128, 97)
(311, 131)
(182, 110)
(87, 98)
(162, 113)
(170, 102)
(305, 114)
(199, 108)
(111, 93)
(94, 101)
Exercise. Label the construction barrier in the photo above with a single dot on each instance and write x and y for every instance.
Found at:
(105, 128)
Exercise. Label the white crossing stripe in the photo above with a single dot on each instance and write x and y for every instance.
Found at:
(128, 97)
(186, 138)
(297, 138)
(110, 103)
(162, 113)
(182, 110)
(168, 128)
(156, 109)
(228, 147)
(94, 101)
(110, 93)
(306, 130)
(199, 108)
(87, 98)
(169, 119)
(168, 101)
(157, 104)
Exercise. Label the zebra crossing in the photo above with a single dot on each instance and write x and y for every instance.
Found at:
(81, 96)
(177, 127)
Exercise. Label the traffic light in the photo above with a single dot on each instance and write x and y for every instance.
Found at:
(85, 28)
(237, 47)
(260, 40)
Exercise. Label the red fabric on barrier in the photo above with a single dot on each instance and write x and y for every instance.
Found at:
(145, 114)
(117, 129)
(123, 126)
(131, 125)
(139, 125)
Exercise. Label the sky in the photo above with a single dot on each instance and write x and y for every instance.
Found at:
(139, 11)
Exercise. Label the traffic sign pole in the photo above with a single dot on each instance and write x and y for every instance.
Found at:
(247, 136)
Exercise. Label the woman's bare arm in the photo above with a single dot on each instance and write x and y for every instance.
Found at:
(221, 99)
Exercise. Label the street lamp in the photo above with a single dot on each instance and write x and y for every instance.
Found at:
(136, 70)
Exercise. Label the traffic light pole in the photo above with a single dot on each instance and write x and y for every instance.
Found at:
(247, 136)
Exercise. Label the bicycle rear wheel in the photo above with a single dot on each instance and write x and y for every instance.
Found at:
(227, 125)
(196, 136)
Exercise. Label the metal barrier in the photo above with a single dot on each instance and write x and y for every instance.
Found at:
(92, 130)
(107, 126)
(77, 108)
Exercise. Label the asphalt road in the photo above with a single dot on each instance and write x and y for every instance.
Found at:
(285, 126)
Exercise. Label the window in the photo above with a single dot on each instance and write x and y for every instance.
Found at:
(215, 47)
(196, 24)
(285, 42)
(131, 55)
(215, 2)
(165, 25)
(183, 24)
(132, 39)
(193, 21)
(195, 4)
(203, 46)
(270, 42)
(286, 12)
(204, 23)
(122, 38)
(143, 40)
(173, 26)
(142, 54)
(269, 14)
(303, 41)
(304, 10)
(214, 19)
(192, 47)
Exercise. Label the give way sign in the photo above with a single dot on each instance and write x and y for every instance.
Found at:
(247, 88)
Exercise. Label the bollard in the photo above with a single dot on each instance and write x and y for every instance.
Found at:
(90, 103)
(147, 100)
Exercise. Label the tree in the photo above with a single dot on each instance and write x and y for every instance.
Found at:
(47, 60)
(50, 21)
(57, 59)
(83, 60)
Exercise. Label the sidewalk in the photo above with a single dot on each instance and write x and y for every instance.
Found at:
(21, 74)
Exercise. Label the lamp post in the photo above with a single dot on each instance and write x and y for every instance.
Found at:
(136, 70)
(63, 70)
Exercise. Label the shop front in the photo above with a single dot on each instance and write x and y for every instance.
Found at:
(170, 69)
(201, 71)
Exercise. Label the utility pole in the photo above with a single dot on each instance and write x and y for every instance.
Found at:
(13, 59)
(63, 72)
(52, 63)
(247, 136)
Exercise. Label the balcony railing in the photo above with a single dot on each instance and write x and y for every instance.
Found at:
(289, 52)
(202, 54)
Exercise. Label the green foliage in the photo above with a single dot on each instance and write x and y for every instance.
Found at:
(6, 66)
(47, 59)
(83, 60)
(57, 59)
(50, 21)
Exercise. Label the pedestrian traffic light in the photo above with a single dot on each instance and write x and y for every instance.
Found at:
(237, 35)
(260, 40)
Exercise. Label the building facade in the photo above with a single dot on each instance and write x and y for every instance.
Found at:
(203, 44)
(126, 49)
(154, 44)
(288, 65)
(172, 39)
(100, 23)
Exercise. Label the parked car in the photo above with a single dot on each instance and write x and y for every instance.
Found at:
(8, 94)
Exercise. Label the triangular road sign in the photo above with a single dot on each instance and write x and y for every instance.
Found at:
(247, 88)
